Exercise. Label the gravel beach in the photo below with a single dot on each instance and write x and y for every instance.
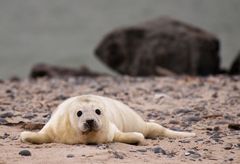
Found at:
(208, 106)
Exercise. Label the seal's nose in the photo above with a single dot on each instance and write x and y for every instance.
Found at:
(90, 122)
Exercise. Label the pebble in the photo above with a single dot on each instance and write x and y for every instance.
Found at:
(234, 126)
(174, 122)
(158, 150)
(228, 146)
(193, 119)
(184, 141)
(70, 156)
(6, 114)
(4, 136)
(182, 111)
(25, 153)
(142, 150)
(29, 115)
(118, 155)
(103, 146)
(61, 97)
(2, 121)
(192, 154)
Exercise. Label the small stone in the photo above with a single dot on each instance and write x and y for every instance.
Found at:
(216, 136)
(25, 153)
(187, 153)
(152, 115)
(118, 155)
(102, 146)
(184, 141)
(29, 115)
(228, 146)
(215, 95)
(216, 128)
(4, 136)
(237, 145)
(221, 122)
(182, 111)
(193, 119)
(61, 97)
(192, 154)
(2, 121)
(142, 150)
(234, 126)
(173, 122)
(158, 150)
(6, 114)
(70, 156)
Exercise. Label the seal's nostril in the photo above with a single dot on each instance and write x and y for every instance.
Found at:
(90, 122)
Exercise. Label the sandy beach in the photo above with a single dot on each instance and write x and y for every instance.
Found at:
(209, 106)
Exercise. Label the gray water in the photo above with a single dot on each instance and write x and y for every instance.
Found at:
(66, 32)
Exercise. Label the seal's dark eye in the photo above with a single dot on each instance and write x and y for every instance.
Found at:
(98, 111)
(79, 113)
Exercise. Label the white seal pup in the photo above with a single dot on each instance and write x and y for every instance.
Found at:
(91, 119)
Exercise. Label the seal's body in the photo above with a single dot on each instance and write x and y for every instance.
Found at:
(91, 119)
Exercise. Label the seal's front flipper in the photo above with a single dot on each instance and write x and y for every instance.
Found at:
(129, 137)
(34, 137)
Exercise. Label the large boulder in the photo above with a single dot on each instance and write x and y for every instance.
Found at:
(160, 47)
(235, 68)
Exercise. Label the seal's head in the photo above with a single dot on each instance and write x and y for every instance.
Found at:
(87, 115)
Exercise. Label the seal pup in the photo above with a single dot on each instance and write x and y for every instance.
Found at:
(91, 119)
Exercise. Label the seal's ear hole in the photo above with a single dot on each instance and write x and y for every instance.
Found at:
(79, 113)
(98, 111)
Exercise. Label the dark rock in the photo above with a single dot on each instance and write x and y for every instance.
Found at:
(102, 146)
(158, 150)
(193, 119)
(29, 115)
(235, 68)
(45, 70)
(234, 126)
(61, 97)
(152, 115)
(70, 156)
(3, 121)
(192, 154)
(215, 135)
(6, 114)
(4, 136)
(184, 141)
(237, 145)
(157, 47)
(142, 150)
(118, 155)
(216, 128)
(25, 153)
(174, 122)
(228, 146)
(182, 111)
